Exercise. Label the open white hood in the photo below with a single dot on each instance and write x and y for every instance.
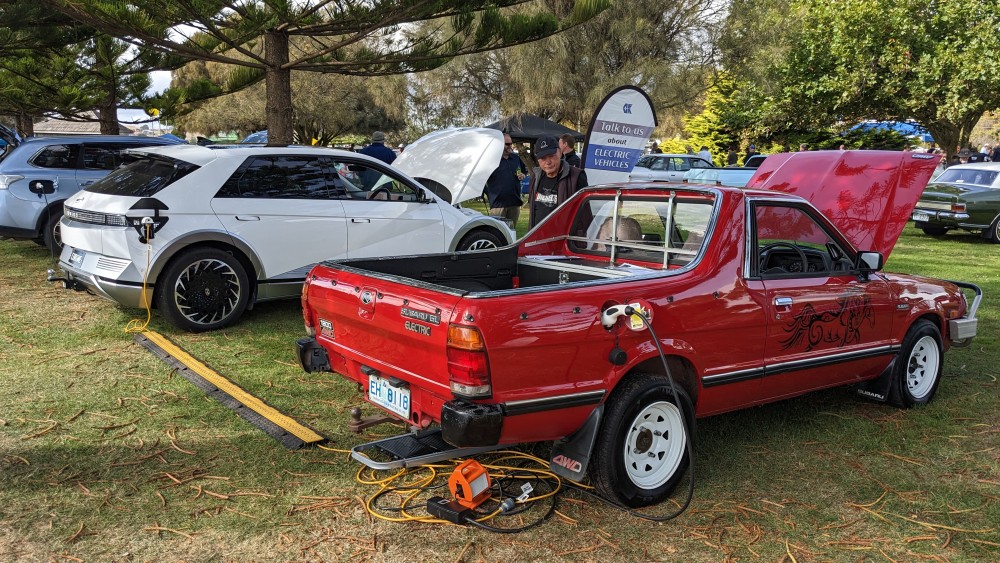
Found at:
(459, 160)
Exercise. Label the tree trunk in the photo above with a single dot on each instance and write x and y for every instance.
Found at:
(108, 115)
(278, 82)
(25, 125)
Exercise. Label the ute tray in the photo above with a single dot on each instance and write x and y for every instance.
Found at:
(411, 449)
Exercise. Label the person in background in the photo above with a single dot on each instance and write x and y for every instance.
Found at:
(803, 147)
(733, 157)
(751, 151)
(566, 147)
(842, 148)
(688, 149)
(705, 155)
(995, 155)
(655, 148)
(503, 187)
(400, 148)
(378, 149)
(553, 180)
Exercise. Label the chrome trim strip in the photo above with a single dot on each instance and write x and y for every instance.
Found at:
(776, 369)
(731, 377)
(526, 406)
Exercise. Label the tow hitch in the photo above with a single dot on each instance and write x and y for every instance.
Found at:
(67, 283)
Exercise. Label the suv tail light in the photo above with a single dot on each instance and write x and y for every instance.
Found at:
(7, 179)
(958, 207)
(468, 366)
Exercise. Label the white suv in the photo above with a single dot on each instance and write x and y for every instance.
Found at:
(227, 227)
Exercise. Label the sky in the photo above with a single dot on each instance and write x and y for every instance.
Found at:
(159, 81)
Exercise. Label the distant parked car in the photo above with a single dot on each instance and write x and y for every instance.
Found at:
(233, 225)
(37, 174)
(665, 167)
(965, 196)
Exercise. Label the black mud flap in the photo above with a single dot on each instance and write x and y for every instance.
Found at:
(878, 389)
(312, 356)
(571, 455)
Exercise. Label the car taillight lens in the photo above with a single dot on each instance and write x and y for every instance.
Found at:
(958, 208)
(7, 179)
(468, 365)
(310, 326)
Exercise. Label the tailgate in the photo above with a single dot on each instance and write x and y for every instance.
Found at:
(386, 324)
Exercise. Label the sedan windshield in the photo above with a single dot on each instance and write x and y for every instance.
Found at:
(972, 176)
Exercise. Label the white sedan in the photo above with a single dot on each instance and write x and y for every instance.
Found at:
(223, 228)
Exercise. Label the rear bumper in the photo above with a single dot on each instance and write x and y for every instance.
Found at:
(940, 218)
(114, 279)
(463, 423)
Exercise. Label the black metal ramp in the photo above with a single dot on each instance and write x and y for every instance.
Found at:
(412, 449)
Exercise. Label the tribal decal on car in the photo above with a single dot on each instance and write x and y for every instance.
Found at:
(842, 326)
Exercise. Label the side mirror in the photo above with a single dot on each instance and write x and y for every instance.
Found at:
(42, 187)
(870, 262)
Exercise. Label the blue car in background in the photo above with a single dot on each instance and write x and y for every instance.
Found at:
(38, 173)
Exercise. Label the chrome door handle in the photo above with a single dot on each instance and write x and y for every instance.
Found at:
(247, 218)
(782, 301)
(87, 183)
(356, 220)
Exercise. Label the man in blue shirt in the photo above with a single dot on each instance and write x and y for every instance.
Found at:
(503, 187)
(378, 149)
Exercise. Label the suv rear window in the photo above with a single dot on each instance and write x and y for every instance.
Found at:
(57, 156)
(143, 177)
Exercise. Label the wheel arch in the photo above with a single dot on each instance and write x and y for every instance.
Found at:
(484, 223)
(46, 213)
(682, 370)
(209, 239)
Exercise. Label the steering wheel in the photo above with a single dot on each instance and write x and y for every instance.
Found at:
(385, 189)
(766, 250)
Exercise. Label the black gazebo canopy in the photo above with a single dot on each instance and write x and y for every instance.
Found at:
(527, 127)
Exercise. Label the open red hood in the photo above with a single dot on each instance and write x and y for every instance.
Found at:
(868, 195)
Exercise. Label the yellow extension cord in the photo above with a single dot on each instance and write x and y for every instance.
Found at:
(423, 477)
(137, 325)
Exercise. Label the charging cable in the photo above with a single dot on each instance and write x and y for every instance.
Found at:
(137, 325)
(608, 319)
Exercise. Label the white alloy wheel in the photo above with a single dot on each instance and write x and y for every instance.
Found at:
(482, 244)
(655, 445)
(922, 367)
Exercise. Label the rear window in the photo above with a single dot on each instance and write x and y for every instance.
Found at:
(968, 176)
(143, 177)
(57, 156)
(636, 228)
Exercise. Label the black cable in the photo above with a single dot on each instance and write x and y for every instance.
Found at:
(673, 389)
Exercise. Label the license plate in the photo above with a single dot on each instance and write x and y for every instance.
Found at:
(393, 399)
(76, 258)
(922, 217)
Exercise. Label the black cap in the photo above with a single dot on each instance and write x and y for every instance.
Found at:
(544, 146)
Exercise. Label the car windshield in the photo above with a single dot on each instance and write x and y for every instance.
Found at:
(974, 176)
(143, 177)
(645, 161)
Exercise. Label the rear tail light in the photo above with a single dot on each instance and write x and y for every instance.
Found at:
(468, 366)
(958, 208)
(306, 317)
(7, 179)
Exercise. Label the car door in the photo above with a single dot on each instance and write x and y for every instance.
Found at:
(284, 208)
(385, 214)
(826, 324)
(676, 167)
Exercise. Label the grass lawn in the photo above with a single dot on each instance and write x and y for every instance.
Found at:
(106, 455)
